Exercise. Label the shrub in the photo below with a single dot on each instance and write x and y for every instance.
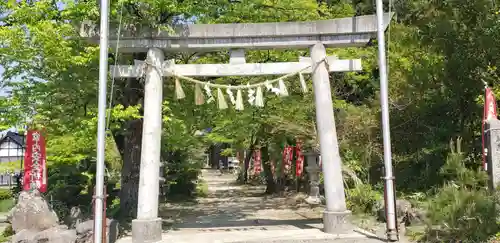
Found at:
(362, 198)
(182, 171)
(8, 231)
(66, 184)
(460, 213)
(463, 208)
(202, 189)
(5, 194)
(6, 234)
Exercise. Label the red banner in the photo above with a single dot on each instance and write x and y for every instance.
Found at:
(35, 163)
(489, 112)
(299, 163)
(287, 158)
(257, 163)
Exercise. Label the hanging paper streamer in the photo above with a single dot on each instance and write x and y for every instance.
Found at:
(303, 84)
(198, 95)
(221, 100)
(231, 96)
(179, 92)
(270, 87)
(255, 96)
(209, 93)
(251, 97)
(259, 98)
(239, 101)
(283, 89)
(299, 163)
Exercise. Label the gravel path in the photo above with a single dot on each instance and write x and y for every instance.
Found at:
(231, 205)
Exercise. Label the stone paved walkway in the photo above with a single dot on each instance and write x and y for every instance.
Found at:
(229, 205)
(235, 213)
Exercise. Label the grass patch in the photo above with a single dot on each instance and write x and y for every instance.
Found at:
(6, 205)
(201, 189)
(4, 238)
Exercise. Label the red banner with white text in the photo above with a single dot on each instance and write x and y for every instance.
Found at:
(35, 163)
(299, 163)
(287, 158)
(489, 112)
(257, 162)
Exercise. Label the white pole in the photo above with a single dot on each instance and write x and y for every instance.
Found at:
(384, 101)
(101, 122)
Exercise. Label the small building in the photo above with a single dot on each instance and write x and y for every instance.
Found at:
(11, 147)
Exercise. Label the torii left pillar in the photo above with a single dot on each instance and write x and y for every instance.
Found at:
(147, 227)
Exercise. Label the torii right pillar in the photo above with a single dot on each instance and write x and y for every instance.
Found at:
(336, 213)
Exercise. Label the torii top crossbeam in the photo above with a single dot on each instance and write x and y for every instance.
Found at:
(341, 32)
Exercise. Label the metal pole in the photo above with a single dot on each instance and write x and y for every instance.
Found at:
(101, 121)
(384, 101)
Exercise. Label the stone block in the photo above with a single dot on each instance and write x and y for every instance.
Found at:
(146, 230)
(32, 212)
(336, 222)
(85, 231)
(58, 234)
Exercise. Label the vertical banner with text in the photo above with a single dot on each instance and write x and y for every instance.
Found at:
(287, 158)
(299, 166)
(257, 163)
(35, 163)
(489, 112)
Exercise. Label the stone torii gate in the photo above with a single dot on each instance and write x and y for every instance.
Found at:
(315, 35)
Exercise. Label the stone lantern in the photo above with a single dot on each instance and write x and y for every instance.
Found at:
(313, 170)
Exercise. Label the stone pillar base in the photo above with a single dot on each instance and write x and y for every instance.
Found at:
(336, 222)
(392, 236)
(146, 230)
(313, 200)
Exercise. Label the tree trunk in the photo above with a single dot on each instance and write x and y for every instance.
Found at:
(215, 156)
(270, 183)
(130, 144)
(248, 157)
(129, 141)
(247, 163)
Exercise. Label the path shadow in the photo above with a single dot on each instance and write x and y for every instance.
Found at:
(369, 235)
(229, 209)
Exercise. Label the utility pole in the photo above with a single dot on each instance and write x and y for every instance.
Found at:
(101, 121)
(390, 200)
